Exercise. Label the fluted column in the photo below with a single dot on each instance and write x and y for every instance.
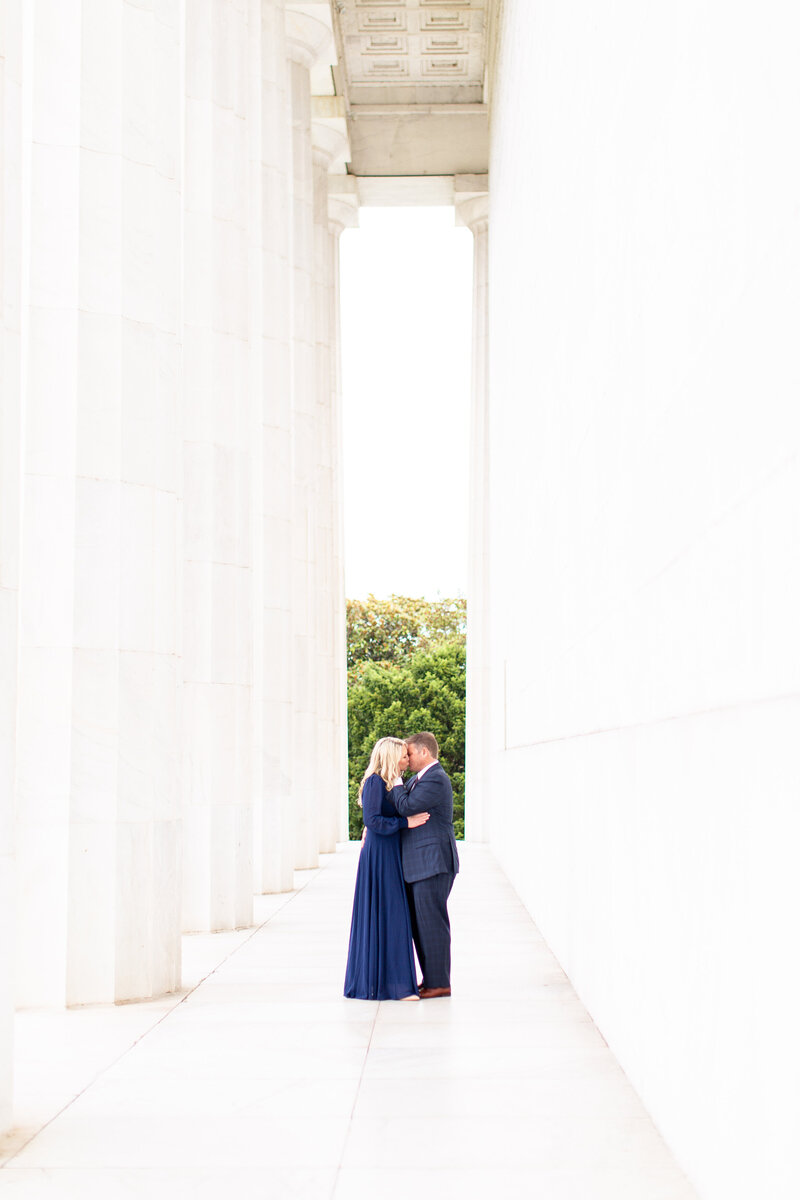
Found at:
(217, 596)
(307, 39)
(472, 208)
(342, 214)
(270, 322)
(96, 777)
(10, 398)
(329, 146)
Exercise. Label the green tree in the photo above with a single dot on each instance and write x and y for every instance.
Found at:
(389, 630)
(407, 673)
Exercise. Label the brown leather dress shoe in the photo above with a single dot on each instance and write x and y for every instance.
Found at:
(427, 993)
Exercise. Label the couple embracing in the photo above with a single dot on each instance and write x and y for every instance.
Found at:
(405, 874)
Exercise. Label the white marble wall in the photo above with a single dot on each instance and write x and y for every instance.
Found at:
(10, 402)
(645, 583)
(97, 818)
(217, 433)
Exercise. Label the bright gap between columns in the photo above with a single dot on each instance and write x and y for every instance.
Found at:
(406, 313)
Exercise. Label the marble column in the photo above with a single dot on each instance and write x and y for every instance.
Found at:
(472, 209)
(96, 770)
(274, 850)
(307, 39)
(10, 416)
(217, 428)
(329, 148)
(342, 214)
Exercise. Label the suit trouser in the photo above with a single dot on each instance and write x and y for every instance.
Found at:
(430, 927)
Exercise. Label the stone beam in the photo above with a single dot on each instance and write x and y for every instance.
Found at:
(405, 191)
(416, 140)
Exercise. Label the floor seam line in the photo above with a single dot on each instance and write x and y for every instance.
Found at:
(174, 1008)
(355, 1102)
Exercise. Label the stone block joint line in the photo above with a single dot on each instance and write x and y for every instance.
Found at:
(355, 1099)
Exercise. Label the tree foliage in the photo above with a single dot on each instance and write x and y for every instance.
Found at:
(407, 672)
(388, 630)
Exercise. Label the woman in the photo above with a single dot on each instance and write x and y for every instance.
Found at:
(380, 962)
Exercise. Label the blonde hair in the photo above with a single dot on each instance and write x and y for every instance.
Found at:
(384, 761)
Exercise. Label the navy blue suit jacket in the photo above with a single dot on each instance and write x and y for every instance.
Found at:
(430, 849)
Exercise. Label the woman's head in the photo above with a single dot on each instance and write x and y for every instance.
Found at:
(389, 759)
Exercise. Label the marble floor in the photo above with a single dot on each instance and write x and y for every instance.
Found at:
(260, 1082)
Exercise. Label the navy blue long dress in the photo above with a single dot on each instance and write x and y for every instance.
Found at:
(380, 961)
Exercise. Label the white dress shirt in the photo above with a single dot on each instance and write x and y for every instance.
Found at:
(398, 782)
(424, 769)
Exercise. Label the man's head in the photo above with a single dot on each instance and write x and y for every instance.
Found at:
(423, 749)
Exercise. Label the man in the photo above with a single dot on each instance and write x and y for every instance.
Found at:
(430, 861)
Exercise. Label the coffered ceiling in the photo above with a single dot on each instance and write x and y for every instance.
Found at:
(412, 73)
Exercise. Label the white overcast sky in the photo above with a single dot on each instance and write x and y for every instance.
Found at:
(406, 304)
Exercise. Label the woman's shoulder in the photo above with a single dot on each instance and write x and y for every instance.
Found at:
(373, 782)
